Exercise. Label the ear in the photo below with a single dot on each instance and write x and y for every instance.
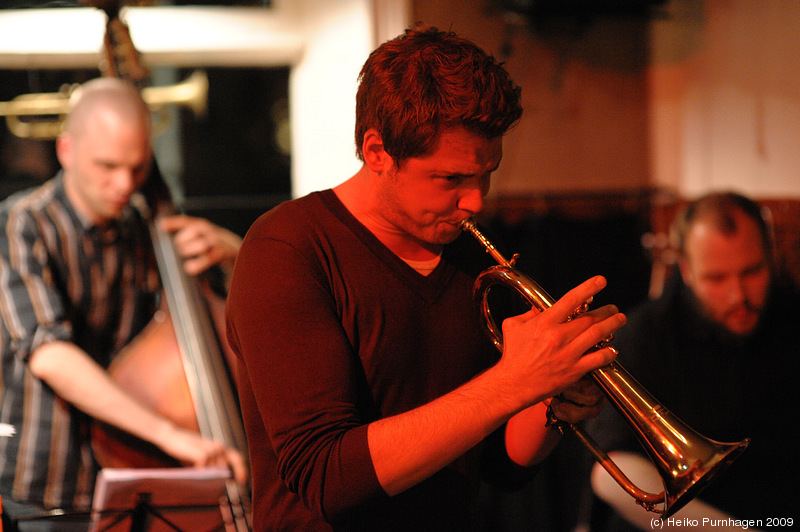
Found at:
(375, 156)
(64, 150)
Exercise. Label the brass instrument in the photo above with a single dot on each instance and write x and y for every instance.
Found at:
(686, 460)
(41, 116)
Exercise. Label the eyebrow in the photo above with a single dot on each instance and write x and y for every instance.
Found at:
(460, 174)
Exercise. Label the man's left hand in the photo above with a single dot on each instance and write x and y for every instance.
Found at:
(583, 400)
(200, 243)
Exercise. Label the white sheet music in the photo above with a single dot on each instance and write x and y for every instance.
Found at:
(188, 497)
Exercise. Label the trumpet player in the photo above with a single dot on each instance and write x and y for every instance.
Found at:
(371, 397)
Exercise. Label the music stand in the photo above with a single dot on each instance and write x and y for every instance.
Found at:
(159, 500)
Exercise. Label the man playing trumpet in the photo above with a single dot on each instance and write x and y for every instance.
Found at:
(374, 397)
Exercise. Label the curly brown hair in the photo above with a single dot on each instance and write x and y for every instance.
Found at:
(413, 87)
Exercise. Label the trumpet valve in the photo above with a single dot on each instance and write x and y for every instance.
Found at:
(578, 311)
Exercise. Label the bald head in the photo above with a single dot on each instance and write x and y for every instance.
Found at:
(109, 96)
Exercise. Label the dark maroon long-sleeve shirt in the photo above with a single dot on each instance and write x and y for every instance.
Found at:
(335, 332)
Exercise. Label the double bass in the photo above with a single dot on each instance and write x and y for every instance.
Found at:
(178, 365)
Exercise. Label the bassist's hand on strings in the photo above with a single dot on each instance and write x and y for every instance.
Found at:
(201, 243)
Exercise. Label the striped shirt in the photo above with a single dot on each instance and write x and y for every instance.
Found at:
(62, 279)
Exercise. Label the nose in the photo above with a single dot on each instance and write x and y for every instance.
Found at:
(736, 290)
(471, 200)
(125, 182)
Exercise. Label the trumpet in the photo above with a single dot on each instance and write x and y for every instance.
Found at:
(41, 115)
(686, 461)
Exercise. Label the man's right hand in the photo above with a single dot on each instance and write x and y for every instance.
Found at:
(547, 352)
(193, 450)
(79, 380)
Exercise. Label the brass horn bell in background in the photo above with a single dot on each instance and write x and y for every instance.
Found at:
(685, 460)
(41, 115)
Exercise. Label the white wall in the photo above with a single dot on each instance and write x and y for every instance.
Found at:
(322, 88)
(338, 36)
(725, 98)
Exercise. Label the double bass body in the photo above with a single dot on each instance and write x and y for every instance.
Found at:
(180, 367)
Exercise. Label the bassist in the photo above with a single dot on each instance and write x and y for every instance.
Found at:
(78, 282)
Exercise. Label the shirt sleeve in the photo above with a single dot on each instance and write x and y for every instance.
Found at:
(283, 323)
(32, 309)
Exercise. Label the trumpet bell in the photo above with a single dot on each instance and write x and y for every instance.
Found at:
(703, 461)
(686, 460)
(191, 93)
